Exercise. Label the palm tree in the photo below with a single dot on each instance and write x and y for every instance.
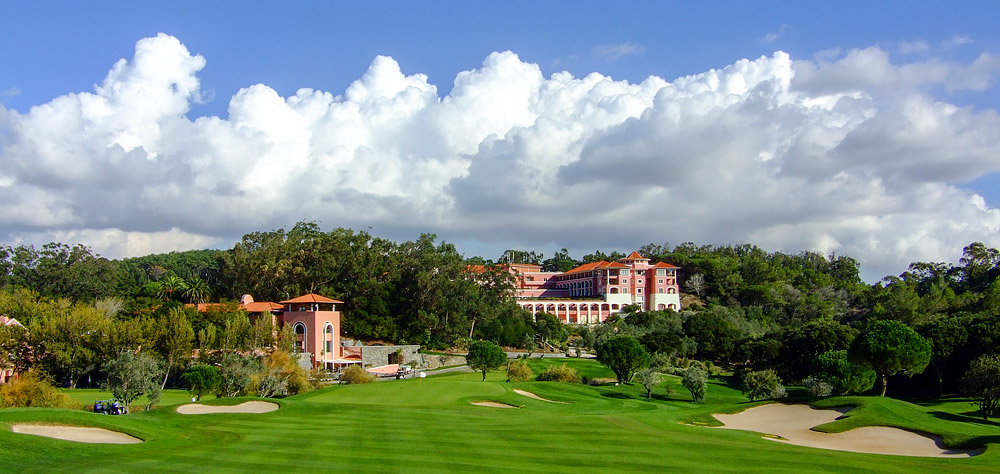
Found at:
(171, 287)
(197, 291)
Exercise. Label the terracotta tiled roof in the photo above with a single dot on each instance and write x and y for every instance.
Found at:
(664, 265)
(635, 255)
(262, 307)
(586, 267)
(311, 298)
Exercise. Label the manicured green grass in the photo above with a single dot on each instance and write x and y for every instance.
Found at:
(429, 425)
(86, 397)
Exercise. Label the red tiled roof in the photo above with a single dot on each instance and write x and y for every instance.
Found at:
(634, 255)
(664, 265)
(586, 267)
(262, 307)
(311, 298)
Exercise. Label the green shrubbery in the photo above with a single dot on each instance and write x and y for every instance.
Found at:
(356, 374)
(518, 371)
(762, 384)
(32, 389)
(559, 373)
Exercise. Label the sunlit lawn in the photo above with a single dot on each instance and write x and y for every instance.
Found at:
(430, 425)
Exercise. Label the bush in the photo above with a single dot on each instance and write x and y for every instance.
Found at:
(695, 380)
(518, 371)
(32, 389)
(280, 376)
(356, 374)
(237, 372)
(762, 384)
(817, 387)
(842, 374)
(561, 373)
(982, 382)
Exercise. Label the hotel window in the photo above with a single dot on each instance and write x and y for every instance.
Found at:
(623, 271)
(661, 272)
(624, 281)
(659, 290)
(638, 282)
(625, 290)
(660, 281)
(638, 290)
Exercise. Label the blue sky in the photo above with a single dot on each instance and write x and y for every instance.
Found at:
(937, 54)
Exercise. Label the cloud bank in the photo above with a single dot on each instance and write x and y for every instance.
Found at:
(852, 154)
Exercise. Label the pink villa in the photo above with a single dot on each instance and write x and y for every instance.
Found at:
(314, 320)
(7, 373)
(591, 292)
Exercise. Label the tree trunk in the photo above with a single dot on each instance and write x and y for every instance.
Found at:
(885, 381)
(170, 360)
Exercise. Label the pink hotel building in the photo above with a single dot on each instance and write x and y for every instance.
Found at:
(588, 294)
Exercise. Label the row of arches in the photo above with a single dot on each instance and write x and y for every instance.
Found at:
(582, 313)
(301, 336)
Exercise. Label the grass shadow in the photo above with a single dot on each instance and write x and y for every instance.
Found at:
(967, 417)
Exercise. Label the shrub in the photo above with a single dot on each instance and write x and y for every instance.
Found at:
(560, 373)
(840, 372)
(237, 372)
(695, 380)
(762, 384)
(32, 389)
(518, 371)
(280, 376)
(356, 374)
(817, 387)
(982, 382)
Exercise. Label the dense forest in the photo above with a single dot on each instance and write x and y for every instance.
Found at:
(744, 307)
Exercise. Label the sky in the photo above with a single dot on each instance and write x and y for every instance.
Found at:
(867, 129)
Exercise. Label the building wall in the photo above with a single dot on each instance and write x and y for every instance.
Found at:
(376, 356)
(315, 338)
(591, 292)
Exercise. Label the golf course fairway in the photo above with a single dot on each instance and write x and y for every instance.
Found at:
(431, 425)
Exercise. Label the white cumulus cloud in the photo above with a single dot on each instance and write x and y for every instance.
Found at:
(848, 152)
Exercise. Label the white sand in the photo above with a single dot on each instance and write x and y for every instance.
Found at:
(493, 405)
(532, 395)
(76, 433)
(794, 423)
(246, 407)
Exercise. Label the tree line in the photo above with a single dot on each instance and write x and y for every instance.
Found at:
(743, 307)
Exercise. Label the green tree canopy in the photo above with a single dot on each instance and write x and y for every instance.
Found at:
(202, 379)
(485, 356)
(890, 347)
(131, 376)
(834, 368)
(623, 355)
(982, 382)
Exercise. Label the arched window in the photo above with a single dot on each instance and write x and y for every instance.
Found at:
(328, 337)
(671, 291)
(300, 337)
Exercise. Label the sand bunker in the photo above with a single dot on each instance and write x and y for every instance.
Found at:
(794, 423)
(493, 405)
(246, 407)
(76, 433)
(532, 395)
